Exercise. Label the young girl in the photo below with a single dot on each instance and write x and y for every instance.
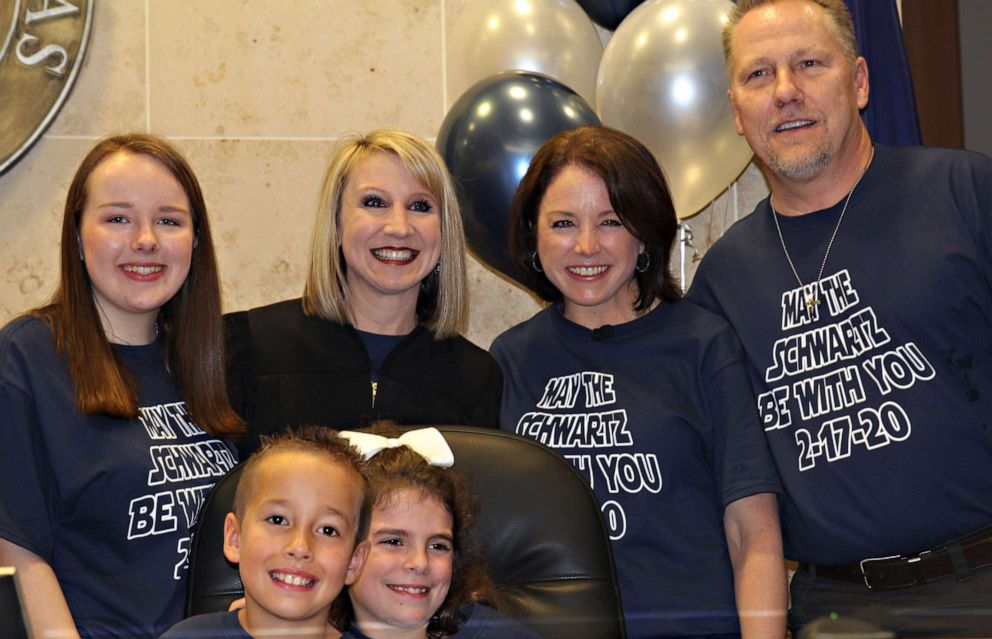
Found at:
(113, 400)
(424, 577)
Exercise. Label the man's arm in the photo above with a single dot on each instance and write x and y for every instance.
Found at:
(754, 541)
(48, 614)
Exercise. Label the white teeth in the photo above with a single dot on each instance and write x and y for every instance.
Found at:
(292, 580)
(142, 270)
(412, 590)
(793, 125)
(587, 271)
(394, 255)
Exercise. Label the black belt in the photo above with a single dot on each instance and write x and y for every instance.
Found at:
(902, 571)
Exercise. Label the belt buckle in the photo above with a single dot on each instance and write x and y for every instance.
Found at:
(861, 564)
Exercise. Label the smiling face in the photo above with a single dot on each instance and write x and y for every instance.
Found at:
(585, 250)
(390, 233)
(295, 540)
(137, 237)
(794, 92)
(408, 571)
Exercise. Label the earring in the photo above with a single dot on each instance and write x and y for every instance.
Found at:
(535, 262)
(79, 245)
(432, 277)
(643, 262)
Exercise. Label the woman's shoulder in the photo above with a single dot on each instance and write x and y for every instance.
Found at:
(695, 331)
(462, 346)
(535, 328)
(24, 327)
(25, 334)
(687, 316)
(456, 354)
(277, 317)
(281, 333)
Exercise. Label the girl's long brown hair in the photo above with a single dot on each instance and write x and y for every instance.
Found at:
(190, 322)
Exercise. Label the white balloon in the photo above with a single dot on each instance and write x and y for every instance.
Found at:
(551, 37)
(662, 81)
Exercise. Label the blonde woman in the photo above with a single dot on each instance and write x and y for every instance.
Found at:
(376, 332)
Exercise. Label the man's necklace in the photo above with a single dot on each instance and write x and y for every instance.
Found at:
(814, 298)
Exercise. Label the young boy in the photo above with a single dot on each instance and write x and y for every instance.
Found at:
(298, 531)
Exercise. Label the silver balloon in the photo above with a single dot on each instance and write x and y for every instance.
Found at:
(551, 37)
(662, 81)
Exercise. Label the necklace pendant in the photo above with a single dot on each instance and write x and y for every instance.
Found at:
(813, 299)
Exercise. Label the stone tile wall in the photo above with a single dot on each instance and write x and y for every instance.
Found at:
(255, 92)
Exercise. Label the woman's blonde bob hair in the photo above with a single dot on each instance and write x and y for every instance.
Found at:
(442, 305)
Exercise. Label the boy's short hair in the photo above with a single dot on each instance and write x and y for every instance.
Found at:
(308, 439)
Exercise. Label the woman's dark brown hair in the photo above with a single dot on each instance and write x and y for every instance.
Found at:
(190, 322)
(638, 193)
(394, 469)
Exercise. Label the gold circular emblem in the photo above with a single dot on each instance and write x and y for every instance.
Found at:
(42, 44)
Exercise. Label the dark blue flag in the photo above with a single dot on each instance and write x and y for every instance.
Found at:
(891, 112)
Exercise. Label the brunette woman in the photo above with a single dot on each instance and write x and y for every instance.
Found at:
(647, 396)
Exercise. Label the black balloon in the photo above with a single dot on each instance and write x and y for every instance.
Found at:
(609, 13)
(488, 139)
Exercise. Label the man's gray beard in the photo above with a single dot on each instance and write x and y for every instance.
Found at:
(801, 168)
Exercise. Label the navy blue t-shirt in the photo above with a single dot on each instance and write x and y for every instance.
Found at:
(483, 622)
(108, 503)
(212, 625)
(658, 415)
(378, 347)
(876, 402)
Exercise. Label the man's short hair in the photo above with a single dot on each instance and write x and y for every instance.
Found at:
(836, 11)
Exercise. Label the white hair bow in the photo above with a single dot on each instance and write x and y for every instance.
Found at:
(429, 443)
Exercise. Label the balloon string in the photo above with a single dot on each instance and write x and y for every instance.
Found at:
(685, 237)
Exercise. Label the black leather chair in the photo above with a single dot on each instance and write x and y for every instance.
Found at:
(541, 527)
